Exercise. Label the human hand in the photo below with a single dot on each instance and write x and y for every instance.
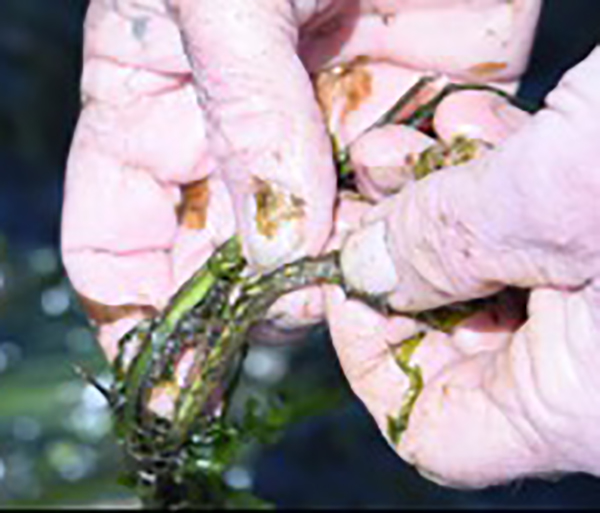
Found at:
(194, 110)
(502, 398)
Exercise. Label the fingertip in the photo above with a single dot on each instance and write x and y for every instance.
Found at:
(478, 115)
(382, 159)
(281, 176)
(481, 332)
(366, 260)
(354, 95)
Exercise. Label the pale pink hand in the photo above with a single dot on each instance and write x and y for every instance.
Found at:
(140, 157)
(502, 399)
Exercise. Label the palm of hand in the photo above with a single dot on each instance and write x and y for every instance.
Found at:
(501, 399)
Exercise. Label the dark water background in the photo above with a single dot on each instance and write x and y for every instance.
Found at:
(55, 442)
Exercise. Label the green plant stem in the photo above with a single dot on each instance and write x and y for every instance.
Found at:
(148, 367)
(256, 297)
(391, 116)
(427, 110)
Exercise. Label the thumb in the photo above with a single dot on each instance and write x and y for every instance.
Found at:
(265, 126)
(524, 214)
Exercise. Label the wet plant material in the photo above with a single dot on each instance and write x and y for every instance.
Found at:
(399, 423)
(179, 460)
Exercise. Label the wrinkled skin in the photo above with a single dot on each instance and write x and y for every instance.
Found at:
(502, 399)
(218, 94)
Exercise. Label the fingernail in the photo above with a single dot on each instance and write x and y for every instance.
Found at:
(366, 261)
(273, 224)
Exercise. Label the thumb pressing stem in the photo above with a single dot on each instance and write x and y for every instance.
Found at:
(518, 216)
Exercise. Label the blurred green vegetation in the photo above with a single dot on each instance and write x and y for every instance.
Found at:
(55, 442)
(56, 446)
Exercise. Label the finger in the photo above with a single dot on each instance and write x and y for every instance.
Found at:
(486, 41)
(126, 163)
(349, 212)
(114, 322)
(366, 343)
(295, 310)
(207, 222)
(134, 34)
(266, 126)
(359, 337)
(513, 413)
(382, 159)
(139, 103)
(355, 95)
(492, 328)
(164, 397)
(118, 225)
(467, 232)
(305, 307)
(460, 436)
(467, 336)
(160, 129)
(477, 115)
